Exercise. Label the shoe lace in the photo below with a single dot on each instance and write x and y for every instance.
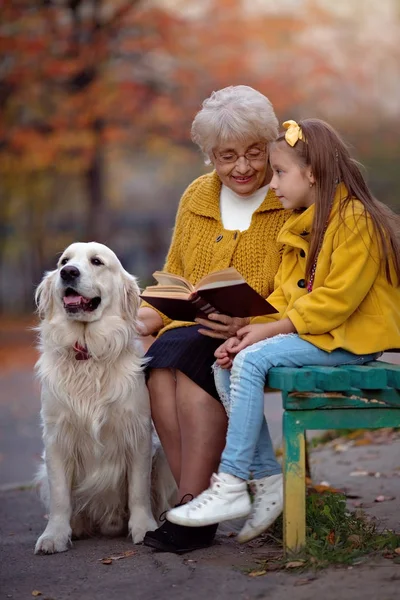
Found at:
(210, 494)
(258, 490)
(181, 501)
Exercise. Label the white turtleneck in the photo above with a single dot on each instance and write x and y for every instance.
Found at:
(236, 211)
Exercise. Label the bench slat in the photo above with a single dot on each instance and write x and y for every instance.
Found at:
(352, 398)
(375, 375)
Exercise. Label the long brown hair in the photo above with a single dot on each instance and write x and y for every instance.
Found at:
(330, 161)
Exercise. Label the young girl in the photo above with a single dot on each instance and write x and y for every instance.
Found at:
(338, 300)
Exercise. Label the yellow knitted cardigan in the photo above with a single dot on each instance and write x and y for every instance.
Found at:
(200, 245)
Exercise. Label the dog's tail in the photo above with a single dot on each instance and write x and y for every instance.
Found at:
(163, 486)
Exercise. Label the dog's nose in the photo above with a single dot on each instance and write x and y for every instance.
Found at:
(69, 273)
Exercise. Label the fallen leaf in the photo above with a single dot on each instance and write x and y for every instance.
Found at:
(341, 447)
(397, 550)
(36, 593)
(362, 442)
(231, 534)
(359, 473)
(257, 573)
(331, 537)
(327, 488)
(109, 559)
(295, 564)
(384, 498)
(125, 554)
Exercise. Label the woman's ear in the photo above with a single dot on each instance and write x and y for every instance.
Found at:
(44, 295)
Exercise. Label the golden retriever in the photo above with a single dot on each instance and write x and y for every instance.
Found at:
(98, 449)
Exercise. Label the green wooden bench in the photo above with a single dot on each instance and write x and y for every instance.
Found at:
(347, 397)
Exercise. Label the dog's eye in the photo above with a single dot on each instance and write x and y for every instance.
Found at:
(97, 262)
(64, 261)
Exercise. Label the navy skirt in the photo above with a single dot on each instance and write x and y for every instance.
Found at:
(187, 350)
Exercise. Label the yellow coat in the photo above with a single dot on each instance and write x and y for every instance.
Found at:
(351, 306)
(200, 244)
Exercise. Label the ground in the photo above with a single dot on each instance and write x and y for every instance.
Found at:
(367, 469)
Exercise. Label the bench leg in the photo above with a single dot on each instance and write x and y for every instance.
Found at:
(294, 512)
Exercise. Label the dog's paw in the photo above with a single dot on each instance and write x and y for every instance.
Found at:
(50, 542)
(139, 525)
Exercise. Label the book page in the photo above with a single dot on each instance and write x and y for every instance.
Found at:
(218, 279)
(169, 279)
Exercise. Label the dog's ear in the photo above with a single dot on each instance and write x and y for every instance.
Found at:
(44, 295)
(130, 298)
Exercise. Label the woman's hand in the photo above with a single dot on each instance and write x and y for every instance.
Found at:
(221, 326)
(149, 321)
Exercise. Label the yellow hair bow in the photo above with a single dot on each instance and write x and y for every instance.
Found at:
(293, 133)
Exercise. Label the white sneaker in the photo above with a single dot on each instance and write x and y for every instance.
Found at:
(220, 502)
(266, 508)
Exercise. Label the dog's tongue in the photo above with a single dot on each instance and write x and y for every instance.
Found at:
(74, 299)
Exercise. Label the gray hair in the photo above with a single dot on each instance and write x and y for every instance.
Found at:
(234, 113)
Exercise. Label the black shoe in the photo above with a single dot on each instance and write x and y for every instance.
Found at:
(180, 538)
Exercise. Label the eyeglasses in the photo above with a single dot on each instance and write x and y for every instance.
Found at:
(252, 155)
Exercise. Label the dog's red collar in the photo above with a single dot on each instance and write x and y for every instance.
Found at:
(81, 352)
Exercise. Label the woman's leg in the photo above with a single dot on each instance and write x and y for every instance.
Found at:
(162, 389)
(202, 422)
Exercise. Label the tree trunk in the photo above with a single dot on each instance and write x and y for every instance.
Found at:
(97, 223)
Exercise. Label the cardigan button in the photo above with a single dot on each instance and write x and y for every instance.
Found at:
(219, 238)
(301, 283)
(302, 253)
(304, 232)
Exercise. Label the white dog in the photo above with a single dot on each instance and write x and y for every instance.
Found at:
(97, 433)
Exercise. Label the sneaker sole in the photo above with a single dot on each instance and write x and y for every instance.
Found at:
(256, 531)
(161, 547)
(189, 522)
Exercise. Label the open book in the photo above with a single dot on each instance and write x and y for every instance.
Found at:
(224, 292)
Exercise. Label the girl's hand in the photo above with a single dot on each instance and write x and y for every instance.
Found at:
(224, 354)
(250, 334)
(221, 326)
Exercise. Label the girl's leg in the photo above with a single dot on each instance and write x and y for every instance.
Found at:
(227, 497)
(249, 372)
(264, 456)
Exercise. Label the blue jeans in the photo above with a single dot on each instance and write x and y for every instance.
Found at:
(248, 444)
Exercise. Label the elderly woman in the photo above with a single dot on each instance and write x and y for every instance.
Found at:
(228, 217)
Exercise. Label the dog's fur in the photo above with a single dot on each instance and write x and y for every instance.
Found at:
(96, 475)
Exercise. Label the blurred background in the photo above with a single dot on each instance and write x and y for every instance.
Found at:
(97, 99)
(96, 103)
